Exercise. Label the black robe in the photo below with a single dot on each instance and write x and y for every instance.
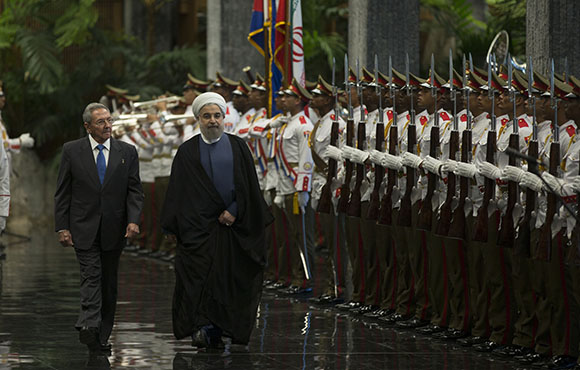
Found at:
(219, 269)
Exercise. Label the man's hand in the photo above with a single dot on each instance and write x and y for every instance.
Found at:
(132, 231)
(65, 238)
(226, 218)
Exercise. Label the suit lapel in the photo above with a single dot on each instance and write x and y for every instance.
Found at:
(88, 161)
(115, 157)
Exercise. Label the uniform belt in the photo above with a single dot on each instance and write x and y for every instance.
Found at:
(145, 159)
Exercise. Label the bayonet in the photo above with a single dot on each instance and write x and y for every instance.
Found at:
(378, 89)
(554, 104)
(347, 86)
(512, 92)
(434, 90)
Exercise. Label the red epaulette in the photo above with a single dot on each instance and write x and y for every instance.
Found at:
(227, 110)
(444, 116)
(463, 118)
(152, 133)
(305, 184)
(390, 114)
(523, 123)
(258, 129)
(302, 120)
(423, 120)
(571, 130)
(244, 130)
(504, 121)
(248, 117)
(333, 117)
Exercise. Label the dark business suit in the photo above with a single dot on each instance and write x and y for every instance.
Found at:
(97, 216)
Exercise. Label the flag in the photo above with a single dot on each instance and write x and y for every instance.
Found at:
(262, 36)
(298, 71)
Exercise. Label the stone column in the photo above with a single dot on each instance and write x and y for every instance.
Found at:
(384, 27)
(552, 32)
(228, 49)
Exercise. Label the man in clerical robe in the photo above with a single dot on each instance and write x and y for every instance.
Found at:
(215, 210)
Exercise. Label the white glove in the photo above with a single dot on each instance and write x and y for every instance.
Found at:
(489, 170)
(576, 184)
(392, 162)
(432, 165)
(279, 122)
(376, 157)
(465, 170)
(532, 181)
(279, 201)
(511, 173)
(268, 198)
(2, 223)
(411, 160)
(354, 154)
(334, 153)
(26, 141)
(449, 166)
(555, 184)
(303, 197)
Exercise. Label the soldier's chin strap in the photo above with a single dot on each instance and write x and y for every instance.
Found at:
(534, 169)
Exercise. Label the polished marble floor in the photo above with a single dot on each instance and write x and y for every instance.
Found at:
(39, 301)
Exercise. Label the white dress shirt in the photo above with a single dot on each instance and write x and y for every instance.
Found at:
(106, 150)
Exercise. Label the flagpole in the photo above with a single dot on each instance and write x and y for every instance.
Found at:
(268, 25)
(287, 44)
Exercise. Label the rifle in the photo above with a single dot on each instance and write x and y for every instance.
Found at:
(355, 195)
(481, 221)
(426, 211)
(447, 209)
(507, 231)
(524, 227)
(374, 205)
(406, 209)
(345, 188)
(545, 240)
(325, 203)
(386, 210)
(458, 219)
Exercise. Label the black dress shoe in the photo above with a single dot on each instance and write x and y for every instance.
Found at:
(348, 305)
(323, 299)
(523, 352)
(378, 313)
(429, 329)
(487, 346)
(534, 358)
(393, 318)
(450, 334)
(470, 341)
(507, 351)
(562, 362)
(411, 323)
(364, 309)
(90, 337)
(296, 290)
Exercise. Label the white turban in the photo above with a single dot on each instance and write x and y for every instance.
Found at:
(208, 98)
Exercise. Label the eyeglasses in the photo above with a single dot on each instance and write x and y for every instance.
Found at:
(101, 122)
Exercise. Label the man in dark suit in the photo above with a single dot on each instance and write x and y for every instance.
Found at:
(98, 203)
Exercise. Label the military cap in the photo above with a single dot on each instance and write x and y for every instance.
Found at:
(520, 82)
(383, 80)
(399, 79)
(259, 83)
(541, 82)
(367, 78)
(295, 89)
(222, 81)
(352, 76)
(196, 84)
(311, 85)
(322, 87)
(575, 83)
(474, 81)
(243, 89)
(112, 90)
(480, 73)
(503, 73)
(497, 83)
(438, 83)
(561, 89)
(457, 81)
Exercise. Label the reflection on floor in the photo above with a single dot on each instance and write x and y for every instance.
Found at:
(39, 302)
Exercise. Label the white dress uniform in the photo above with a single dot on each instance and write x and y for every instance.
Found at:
(190, 131)
(294, 155)
(4, 187)
(318, 143)
(231, 119)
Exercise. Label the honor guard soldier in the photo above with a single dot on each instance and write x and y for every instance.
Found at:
(295, 182)
(225, 87)
(323, 102)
